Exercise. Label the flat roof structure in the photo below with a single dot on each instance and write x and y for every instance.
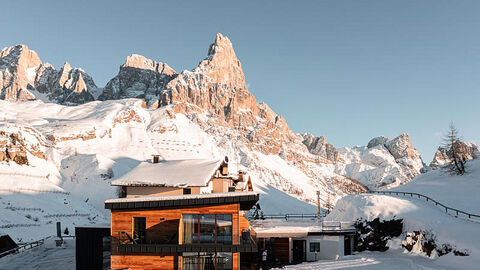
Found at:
(300, 228)
(246, 200)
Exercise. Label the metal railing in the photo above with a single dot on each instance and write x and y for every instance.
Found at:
(448, 210)
(24, 247)
(289, 216)
(338, 226)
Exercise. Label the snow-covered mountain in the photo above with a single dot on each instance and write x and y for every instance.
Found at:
(148, 108)
(23, 76)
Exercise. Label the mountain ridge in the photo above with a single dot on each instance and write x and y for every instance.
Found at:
(209, 109)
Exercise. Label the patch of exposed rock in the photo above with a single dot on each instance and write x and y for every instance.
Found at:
(465, 150)
(139, 77)
(16, 142)
(23, 77)
(319, 146)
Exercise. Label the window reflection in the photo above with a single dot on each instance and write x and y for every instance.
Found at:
(224, 229)
(207, 228)
(190, 228)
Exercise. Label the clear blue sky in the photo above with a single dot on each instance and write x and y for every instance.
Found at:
(349, 70)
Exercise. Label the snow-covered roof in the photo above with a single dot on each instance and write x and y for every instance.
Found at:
(188, 172)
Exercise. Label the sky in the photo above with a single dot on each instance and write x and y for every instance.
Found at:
(348, 70)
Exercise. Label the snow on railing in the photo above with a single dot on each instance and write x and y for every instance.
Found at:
(8, 226)
(289, 216)
(448, 210)
(20, 190)
(24, 247)
(338, 225)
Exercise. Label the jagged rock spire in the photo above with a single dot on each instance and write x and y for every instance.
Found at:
(22, 71)
(222, 64)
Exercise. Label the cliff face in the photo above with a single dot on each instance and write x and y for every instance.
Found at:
(139, 77)
(23, 76)
(319, 146)
(465, 150)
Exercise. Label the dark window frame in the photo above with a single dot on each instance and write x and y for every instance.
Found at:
(314, 246)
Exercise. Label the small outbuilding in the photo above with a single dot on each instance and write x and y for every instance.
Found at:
(92, 247)
(6, 244)
(297, 241)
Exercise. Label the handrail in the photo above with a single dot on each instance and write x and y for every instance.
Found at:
(287, 216)
(447, 208)
(24, 247)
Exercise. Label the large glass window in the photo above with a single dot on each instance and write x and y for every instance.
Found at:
(224, 229)
(190, 228)
(207, 228)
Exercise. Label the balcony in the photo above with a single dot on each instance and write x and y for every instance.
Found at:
(127, 244)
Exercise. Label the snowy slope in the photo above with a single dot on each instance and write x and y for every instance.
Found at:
(80, 150)
(455, 191)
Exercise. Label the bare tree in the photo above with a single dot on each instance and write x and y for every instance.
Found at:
(456, 159)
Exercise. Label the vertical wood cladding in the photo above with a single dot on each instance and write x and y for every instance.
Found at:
(164, 226)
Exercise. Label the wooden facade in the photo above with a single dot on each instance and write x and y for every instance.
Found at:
(164, 230)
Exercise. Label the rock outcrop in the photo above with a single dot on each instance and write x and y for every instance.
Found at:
(23, 77)
(217, 86)
(17, 142)
(319, 146)
(465, 150)
(139, 77)
(383, 163)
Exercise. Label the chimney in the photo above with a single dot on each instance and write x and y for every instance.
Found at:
(240, 176)
(156, 158)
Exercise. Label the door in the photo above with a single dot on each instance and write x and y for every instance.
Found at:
(347, 245)
(299, 251)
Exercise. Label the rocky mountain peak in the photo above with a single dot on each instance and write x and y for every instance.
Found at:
(381, 140)
(22, 74)
(66, 67)
(319, 146)
(465, 150)
(222, 64)
(141, 62)
(80, 85)
(19, 56)
(401, 147)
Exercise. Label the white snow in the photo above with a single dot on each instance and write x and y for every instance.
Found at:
(189, 172)
(418, 215)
